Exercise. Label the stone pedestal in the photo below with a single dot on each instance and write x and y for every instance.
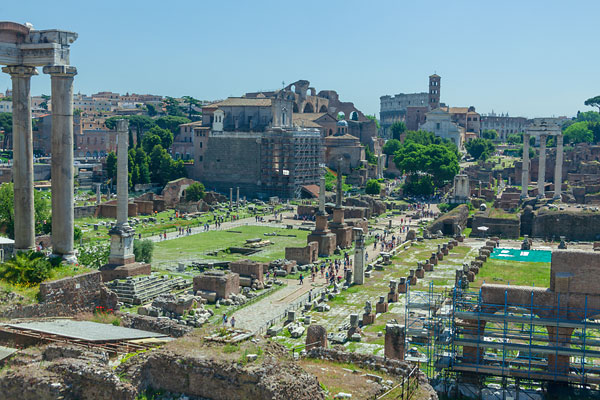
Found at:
(394, 341)
(393, 293)
(381, 306)
(22, 157)
(433, 259)
(428, 267)
(325, 239)
(368, 319)
(62, 161)
(420, 272)
(316, 336)
(412, 278)
(402, 286)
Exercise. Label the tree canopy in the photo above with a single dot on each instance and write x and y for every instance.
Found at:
(480, 149)
(391, 146)
(41, 207)
(194, 192)
(578, 132)
(491, 134)
(593, 102)
(172, 122)
(373, 187)
(397, 129)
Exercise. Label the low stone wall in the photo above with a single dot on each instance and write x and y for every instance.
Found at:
(85, 211)
(505, 228)
(164, 325)
(572, 225)
(63, 297)
(303, 255)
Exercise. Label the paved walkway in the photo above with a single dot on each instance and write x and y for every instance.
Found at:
(257, 315)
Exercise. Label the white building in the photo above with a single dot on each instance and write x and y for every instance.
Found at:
(5, 106)
(439, 122)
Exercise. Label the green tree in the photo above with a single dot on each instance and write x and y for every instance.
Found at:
(94, 256)
(370, 156)
(373, 187)
(151, 110)
(515, 138)
(480, 149)
(41, 206)
(578, 132)
(194, 192)
(163, 168)
(111, 167)
(149, 141)
(143, 250)
(397, 129)
(588, 116)
(165, 135)
(138, 123)
(173, 107)
(27, 268)
(172, 123)
(391, 147)
(191, 103)
(593, 102)
(491, 134)
(6, 126)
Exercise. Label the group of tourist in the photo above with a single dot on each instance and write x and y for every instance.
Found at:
(385, 243)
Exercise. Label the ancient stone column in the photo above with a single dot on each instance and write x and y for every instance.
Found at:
(237, 199)
(359, 257)
(62, 160)
(322, 195)
(122, 172)
(542, 167)
(338, 193)
(558, 167)
(525, 169)
(22, 156)
(98, 194)
(121, 235)
(230, 198)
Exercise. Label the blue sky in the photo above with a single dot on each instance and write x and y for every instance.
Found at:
(527, 57)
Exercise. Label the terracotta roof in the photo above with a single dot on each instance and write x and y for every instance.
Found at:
(242, 102)
(459, 110)
(312, 190)
(307, 120)
(195, 123)
(347, 136)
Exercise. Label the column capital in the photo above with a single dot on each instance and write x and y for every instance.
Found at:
(60, 70)
(22, 71)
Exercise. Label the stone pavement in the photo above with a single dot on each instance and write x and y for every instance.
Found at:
(257, 315)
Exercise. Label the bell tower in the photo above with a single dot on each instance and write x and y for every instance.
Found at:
(434, 91)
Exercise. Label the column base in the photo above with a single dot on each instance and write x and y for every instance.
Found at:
(557, 197)
(23, 250)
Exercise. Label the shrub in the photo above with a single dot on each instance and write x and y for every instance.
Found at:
(143, 250)
(373, 187)
(28, 268)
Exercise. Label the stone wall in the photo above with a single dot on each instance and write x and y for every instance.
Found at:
(165, 326)
(579, 267)
(109, 210)
(248, 268)
(303, 255)
(223, 284)
(448, 223)
(573, 225)
(64, 297)
(85, 211)
(503, 227)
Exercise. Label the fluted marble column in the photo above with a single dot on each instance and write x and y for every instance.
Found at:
(542, 168)
(22, 156)
(558, 167)
(122, 172)
(62, 160)
(525, 169)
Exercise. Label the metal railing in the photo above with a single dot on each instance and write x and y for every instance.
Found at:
(408, 387)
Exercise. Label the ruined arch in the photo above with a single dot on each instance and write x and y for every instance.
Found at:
(323, 109)
(295, 108)
(308, 108)
(354, 116)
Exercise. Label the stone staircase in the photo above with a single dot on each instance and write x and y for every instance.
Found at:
(143, 289)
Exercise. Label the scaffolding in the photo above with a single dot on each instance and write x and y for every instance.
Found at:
(470, 348)
(290, 159)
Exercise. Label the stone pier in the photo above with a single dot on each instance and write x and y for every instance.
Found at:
(525, 168)
(541, 183)
(237, 199)
(23, 156)
(359, 257)
(62, 161)
(558, 167)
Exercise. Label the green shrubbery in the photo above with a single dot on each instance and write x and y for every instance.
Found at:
(142, 250)
(28, 268)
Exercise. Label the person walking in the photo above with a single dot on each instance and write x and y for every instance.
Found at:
(224, 319)
(232, 320)
(301, 279)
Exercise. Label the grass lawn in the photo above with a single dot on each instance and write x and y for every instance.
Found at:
(197, 246)
(500, 213)
(514, 272)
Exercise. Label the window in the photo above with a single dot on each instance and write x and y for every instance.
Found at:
(437, 125)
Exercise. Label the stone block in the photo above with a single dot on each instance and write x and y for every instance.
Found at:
(310, 253)
(111, 272)
(222, 283)
(368, 319)
(394, 341)
(428, 267)
(316, 336)
(381, 307)
(248, 268)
